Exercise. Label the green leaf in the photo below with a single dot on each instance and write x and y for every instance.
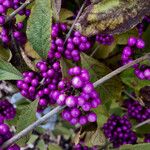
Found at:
(144, 146)
(39, 27)
(63, 130)
(122, 39)
(5, 54)
(116, 109)
(27, 117)
(94, 138)
(112, 16)
(65, 14)
(143, 129)
(102, 115)
(54, 147)
(111, 89)
(105, 50)
(128, 77)
(8, 72)
(32, 139)
(41, 145)
(146, 40)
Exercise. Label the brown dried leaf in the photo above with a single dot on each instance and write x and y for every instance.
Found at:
(56, 6)
(112, 16)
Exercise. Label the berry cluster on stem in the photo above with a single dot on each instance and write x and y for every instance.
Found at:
(40, 85)
(141, 71)
(7, 110)
(105, 39)
(136, 111)
(5, 131)
(119, 131)
(79, 95)
(74, 45)
(15, 28)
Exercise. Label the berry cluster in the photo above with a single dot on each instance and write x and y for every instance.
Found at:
(147, 138)
(105, 39)
(6, 134)
(15, 28)
(81, 147)
(141, 71)
(75, 44)
(118, 131)
(136, 111)
(40, 85)
(7, 111)
(79, 95)
(17, 33)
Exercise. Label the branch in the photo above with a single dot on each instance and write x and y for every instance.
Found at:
(13, 14)
(142, 123)
(29, 63)
(78, 15)
(58, 109)
(134, 98)
(92, 54)
(31, 127)
(119, 70)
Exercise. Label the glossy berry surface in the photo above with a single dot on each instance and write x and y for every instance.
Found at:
(119, 131)
(73, 46)
(105, 39)
(41, 85)
(15, 27)
(141, 71)
(6, 134)
(79, 95)
(7, 110)
(136, 111)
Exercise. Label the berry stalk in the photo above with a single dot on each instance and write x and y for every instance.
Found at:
(142, 123)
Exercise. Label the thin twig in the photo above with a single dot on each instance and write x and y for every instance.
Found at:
(129, 95)
(77, 17)
(142, 123)
(58, 109)
(94, 51)
(133, 98)
(119, 70)
(8, 18)
(29, 63)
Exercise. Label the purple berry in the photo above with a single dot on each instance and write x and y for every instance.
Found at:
(92, 117)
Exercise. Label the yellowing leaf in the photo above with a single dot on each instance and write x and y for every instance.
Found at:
(112, 16)
(30, 51)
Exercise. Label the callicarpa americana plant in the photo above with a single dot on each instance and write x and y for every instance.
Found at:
(75, 74)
